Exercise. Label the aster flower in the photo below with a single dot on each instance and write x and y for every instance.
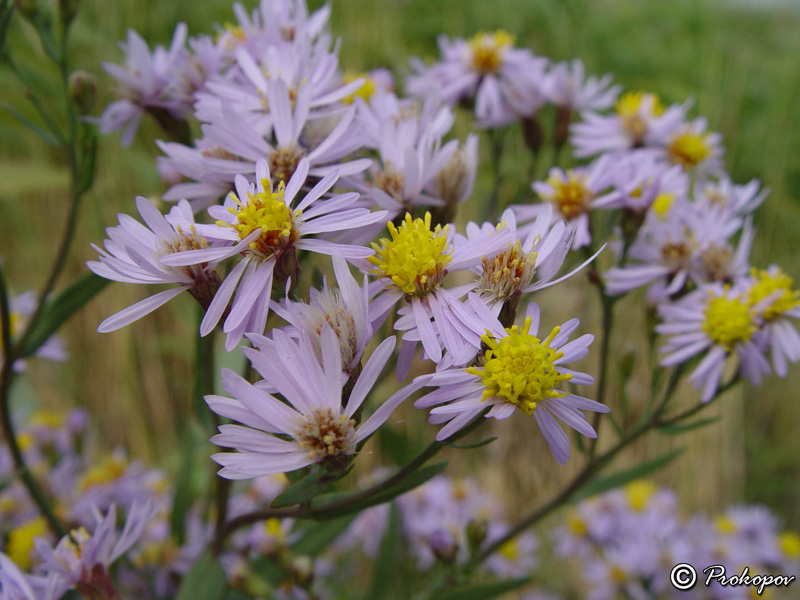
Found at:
(345, 309)
(567, 87)
(149, 82)
(519, 370)
(313, 425)
(695, 149)
(772, 291)
(261, 224)
(640, 120)
(132, 255)
(413, 264)
(487, 69)
(571, 193)
(729, 199)
(81, 561)
(16, 585)
(720, 320)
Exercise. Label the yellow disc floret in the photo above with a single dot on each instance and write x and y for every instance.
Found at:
(776, 285)
(570, 196)
(662, 205)
(728, 321)
(725, 525)
(416, 256)
(488, 50)
(520, 369)
(689, 149)
(790, 544)
(265, 211)
(629, 108)
(20, 541)
(107, 470)
(365, 92)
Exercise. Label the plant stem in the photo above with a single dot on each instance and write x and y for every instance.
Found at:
(6, 375)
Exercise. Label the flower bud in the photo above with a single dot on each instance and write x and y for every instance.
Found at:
(443, 545)
(476, 533)
(67, 9)
(82, 88)
(302, 570)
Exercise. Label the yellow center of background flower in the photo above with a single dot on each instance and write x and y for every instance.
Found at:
(488, 50)
(728, 321)
(639, 493)
(20, 541)
(107, 470)
(519, 368)
(662, 205)
(416, 256)
(689, 149)
(570, 196)
(778, 286)
(268, 212)
(367, 89)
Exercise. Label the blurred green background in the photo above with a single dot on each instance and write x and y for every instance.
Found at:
(737, 60)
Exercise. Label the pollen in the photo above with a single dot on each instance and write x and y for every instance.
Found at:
(488, 50)
(268, 212)
(504, 274)
(778, 286)
(414, 260)
(519, 368)
(570, 196)
(325, 434)
(21, 540)
(689, 149)
(728, 321)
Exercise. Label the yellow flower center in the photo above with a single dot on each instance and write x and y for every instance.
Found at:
(728, 321)
(283, 161)
(639, 493)
(662, 205)
(629, 107)
(577, 525)
(725, 525)
(510, 550)
(618, 574)
(268, 212)
(415, 258)
(47, 418)
(273, 529)
(689, 149)
(20, 541)
(779, 285)
(366, 91)
(507, 272)
(325, 434)
(790, 544)
(488, 50)
(109, 469)
(570, 196)
(519, 368)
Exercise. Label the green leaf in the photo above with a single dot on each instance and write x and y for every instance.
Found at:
(679, 428)
(37, 129)
(205, 580)
(485, 442)
(414, 480)
(182, 498)
(625, 476)
(484, 591)
(320, 535)
(304, 489)
(58, 310)
(388, 555)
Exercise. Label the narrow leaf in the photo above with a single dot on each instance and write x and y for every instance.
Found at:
(623, 477)
(679, 428)
(205, 580)
(37, 129)
(485, 442)
(302, 490)
(319, 536)
(61, 308)
(485, 591)
(388, 556)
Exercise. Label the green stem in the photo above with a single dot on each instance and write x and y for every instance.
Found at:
(6, 376)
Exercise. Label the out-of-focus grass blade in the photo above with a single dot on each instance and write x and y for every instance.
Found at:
(319, 536)
(37, 129)
(58, 310)
(388, 555)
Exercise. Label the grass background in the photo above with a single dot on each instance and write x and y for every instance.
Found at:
(738, 61)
